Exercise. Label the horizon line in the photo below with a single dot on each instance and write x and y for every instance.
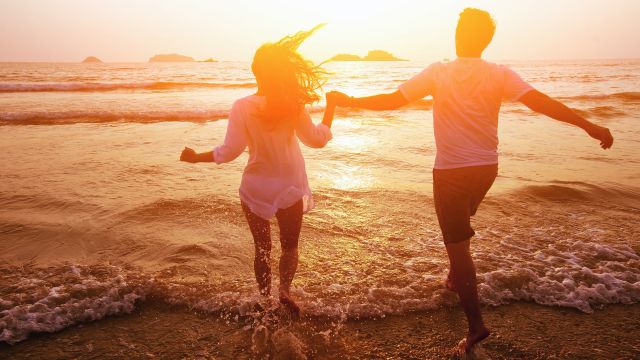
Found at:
(405, 60)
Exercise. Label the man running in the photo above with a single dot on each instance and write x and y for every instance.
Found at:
(467, 94)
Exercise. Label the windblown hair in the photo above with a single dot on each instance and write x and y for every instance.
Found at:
(286, 78)
(475, 31)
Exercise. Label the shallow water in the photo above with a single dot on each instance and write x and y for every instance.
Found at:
(97, 214)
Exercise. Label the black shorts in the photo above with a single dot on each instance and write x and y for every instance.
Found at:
(457, 193)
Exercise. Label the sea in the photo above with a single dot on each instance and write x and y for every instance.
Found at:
(98, 217)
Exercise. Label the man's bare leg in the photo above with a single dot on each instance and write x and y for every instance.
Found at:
(448, 282)
(463, 274)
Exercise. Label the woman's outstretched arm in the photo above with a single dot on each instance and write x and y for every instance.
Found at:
(189, 155)
(235, 141)
(314, 136)
(330, 108)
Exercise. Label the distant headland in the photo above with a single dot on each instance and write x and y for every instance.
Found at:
(373, 55)
(91, 59)
(177, 58)
(171, 58)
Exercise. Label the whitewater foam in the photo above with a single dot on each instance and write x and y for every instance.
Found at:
(561, 278)
(58, 307)
(579, 275)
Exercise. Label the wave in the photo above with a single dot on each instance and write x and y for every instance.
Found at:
(563, 191)
(60, 297)
(96, 87)
(602, 112)
(605, 112)
(574, 274)
(624, 96)
(208, 206)
(72, 117)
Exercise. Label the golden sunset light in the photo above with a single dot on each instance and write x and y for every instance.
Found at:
(208, 179)
(126, 31)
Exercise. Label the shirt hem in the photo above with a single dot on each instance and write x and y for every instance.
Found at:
(456, 166)
(268, 214)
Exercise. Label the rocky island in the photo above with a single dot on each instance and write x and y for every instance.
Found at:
(171, 58)
(346, 57)
(91, 59)
(373, 55)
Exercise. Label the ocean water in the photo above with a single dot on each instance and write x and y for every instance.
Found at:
(97, 215)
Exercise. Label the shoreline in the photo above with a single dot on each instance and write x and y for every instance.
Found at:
(156, 330)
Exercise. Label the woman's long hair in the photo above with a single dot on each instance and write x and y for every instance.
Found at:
(285, 78)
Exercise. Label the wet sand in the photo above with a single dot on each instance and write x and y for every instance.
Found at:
(520, 331)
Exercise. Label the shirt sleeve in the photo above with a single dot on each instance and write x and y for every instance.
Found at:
(313, 136)
(420, 85)
(514, 87)
(235, 141)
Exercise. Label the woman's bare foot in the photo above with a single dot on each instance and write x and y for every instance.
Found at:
(475, 337)
(285, 299)
(466, 348)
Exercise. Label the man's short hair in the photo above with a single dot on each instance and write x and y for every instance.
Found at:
(475, 31)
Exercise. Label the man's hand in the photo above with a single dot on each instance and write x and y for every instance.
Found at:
(188, 155)
(602, 134)
(554, 109)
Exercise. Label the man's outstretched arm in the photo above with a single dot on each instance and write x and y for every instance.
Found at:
(390, 101)
(541, 103)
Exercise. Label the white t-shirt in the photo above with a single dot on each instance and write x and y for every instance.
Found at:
(467, 94)
(275, 176)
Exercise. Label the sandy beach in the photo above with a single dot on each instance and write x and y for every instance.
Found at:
(520, 331)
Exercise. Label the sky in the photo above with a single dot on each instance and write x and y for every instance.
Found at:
(134, 30)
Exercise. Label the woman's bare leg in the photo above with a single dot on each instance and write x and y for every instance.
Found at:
(261, 231)
(290, 222)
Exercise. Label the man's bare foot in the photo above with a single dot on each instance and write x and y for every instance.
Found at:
(285, 299)
(448, 284)
(474, 338)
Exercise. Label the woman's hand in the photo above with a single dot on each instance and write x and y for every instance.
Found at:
(339, 98)
(188, 155)
(329, 110)
(331, 99)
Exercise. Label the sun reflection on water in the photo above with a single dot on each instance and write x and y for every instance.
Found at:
(352, 143)
(348, 177)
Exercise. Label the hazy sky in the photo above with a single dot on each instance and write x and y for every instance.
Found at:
(134, 30)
